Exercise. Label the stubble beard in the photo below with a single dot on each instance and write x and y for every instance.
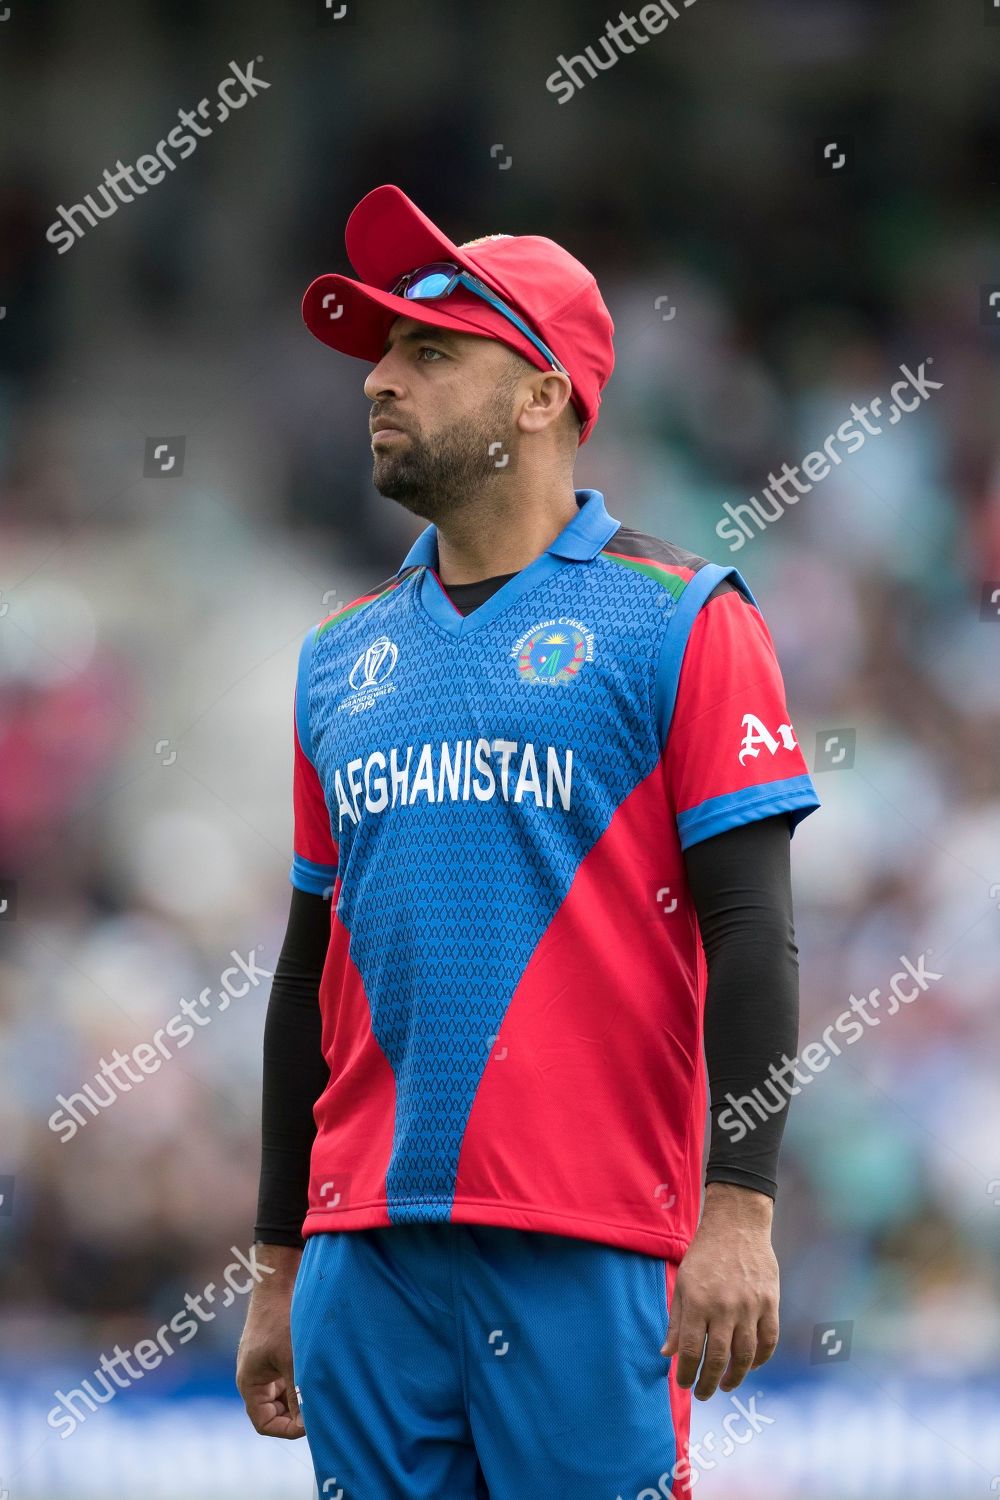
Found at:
(438, 477)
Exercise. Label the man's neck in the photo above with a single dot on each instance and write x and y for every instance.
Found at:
(502, 536)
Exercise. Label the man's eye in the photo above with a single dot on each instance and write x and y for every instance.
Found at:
(428, 349)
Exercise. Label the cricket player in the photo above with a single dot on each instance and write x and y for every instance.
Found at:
(545, 784)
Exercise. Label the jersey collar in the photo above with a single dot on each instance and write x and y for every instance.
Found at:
(580, 540)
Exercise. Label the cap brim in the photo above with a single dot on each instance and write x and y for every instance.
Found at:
(355, 319)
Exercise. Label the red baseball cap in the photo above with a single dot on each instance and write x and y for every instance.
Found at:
(549, 289)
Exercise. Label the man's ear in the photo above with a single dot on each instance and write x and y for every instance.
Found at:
(549, 396)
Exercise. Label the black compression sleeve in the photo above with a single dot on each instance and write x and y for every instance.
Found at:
(295, 1072)
(741, 885)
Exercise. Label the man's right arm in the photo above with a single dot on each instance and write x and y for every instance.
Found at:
(295, 1072)
(295, 1075)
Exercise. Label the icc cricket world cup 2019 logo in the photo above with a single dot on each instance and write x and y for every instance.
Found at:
(374, 665)
(368, 675)
(553, 652)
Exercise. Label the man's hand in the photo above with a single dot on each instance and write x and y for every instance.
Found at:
(264, 1375)
(725, 1301)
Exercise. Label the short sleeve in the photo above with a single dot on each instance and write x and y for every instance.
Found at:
(731, 756)
(314, 857)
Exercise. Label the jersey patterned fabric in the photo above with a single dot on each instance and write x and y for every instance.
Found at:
(498, 804)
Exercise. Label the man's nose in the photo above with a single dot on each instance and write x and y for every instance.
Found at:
(382, 384)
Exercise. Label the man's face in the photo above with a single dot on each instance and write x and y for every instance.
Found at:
(453, 398)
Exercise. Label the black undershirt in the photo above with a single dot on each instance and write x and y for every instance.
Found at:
(740, 883)
(469, 596)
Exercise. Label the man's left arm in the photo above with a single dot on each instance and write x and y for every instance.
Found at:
(724, 1313)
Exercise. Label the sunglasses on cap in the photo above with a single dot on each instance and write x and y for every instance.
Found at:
(440, 278)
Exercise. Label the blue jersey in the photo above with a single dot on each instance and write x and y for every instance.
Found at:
(498, 805)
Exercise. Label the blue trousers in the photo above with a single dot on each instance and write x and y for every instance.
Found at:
(455, 1362)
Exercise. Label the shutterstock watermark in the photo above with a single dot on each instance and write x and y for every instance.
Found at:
(651, 20)
(72, 1407)
(109, 1084)
(850, 436)
(744, 1114)
(739, 1427)
(121, 185)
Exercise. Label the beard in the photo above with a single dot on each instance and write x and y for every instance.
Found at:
(435, 478)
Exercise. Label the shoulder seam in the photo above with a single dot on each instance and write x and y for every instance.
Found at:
(355, 606)
(672, 576)
(675, 646)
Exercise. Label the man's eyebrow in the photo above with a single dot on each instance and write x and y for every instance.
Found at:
(423, 331)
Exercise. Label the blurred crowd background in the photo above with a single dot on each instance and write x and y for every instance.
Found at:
(149, 625)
